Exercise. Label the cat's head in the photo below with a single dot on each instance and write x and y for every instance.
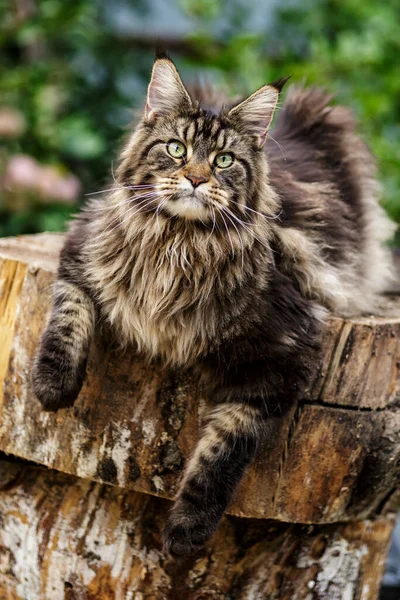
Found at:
(198, 164)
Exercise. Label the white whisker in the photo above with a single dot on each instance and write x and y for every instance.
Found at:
(240, 238)
(130, 216)
(126, 201)
(279, 146)
(249, 231)
(275, 217)
(112, 172)
(228, 232)
(111, 207)
(159, 207)
(148, 199)
(214, 222)
(121, 187)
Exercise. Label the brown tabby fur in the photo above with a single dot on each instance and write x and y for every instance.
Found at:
(232, 276)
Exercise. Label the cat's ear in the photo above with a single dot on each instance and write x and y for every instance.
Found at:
(166, 92)
(257, 110)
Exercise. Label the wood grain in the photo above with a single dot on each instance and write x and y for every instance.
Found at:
(63, 538)
(338, 453)
(12, 275)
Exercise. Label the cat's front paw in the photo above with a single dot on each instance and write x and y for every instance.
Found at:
(55, 389)
(185, 535)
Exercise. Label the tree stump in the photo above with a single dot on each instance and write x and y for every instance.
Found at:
(311, 520)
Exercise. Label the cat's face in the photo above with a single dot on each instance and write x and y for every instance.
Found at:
(200, 165)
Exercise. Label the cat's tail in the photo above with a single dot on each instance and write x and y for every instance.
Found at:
(306, 111)
(309, 121)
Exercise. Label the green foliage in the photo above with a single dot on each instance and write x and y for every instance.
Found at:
(352, 48)
(77, 80)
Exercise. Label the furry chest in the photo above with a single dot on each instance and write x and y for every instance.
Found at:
(152, 301)
(175, 339)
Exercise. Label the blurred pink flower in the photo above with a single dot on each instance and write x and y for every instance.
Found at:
(24, 173)
(12, 122)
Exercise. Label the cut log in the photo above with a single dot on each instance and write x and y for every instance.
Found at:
(337, 457)
(63, 538)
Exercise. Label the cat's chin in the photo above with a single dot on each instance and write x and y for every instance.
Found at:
(188, 207)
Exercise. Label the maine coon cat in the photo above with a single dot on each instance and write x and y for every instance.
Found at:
(223, 252)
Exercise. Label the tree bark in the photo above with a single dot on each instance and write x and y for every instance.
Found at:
(64, 538)
(337, 459)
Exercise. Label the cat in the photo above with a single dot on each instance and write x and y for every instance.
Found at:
(218, 251)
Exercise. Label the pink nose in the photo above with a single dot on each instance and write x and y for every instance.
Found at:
(196, 180)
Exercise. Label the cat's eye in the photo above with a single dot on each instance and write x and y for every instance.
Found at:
(223, 160)
(176, 149)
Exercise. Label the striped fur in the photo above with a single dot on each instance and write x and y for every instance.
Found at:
(59, 369)
(229, 271)
(228, 444)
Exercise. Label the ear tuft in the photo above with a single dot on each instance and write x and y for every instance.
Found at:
(257, 110)
(166, 92)
(160, 52)
(278, 84)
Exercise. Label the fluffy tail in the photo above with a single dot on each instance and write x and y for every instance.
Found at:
(308, 111)
(322, 146)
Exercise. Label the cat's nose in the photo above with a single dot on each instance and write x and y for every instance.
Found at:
(196, 180)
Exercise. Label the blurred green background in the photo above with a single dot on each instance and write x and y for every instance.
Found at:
(72, 74)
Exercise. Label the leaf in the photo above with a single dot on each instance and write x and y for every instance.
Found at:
(77, 138)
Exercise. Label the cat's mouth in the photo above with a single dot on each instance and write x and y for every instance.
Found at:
(189, 205)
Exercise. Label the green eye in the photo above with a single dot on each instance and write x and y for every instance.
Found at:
(176, 149)
(223, 160)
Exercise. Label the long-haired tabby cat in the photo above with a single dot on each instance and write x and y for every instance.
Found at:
(220, 251)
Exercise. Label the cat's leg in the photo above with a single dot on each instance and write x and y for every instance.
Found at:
(228, 444)
(59, 368)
